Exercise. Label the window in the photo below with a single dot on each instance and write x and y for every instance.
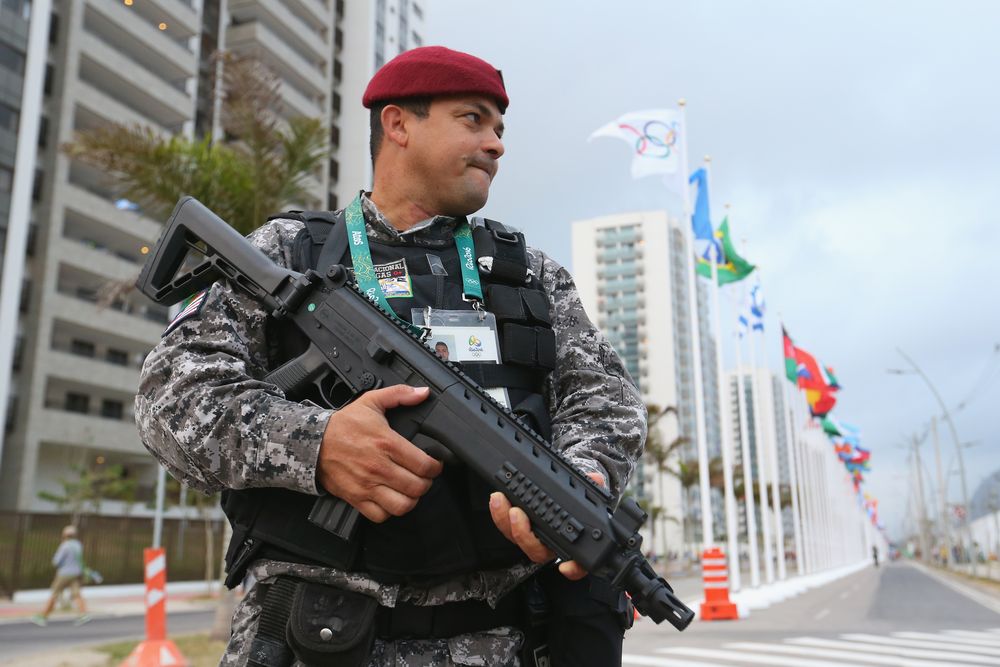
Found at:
(83, 348)
(77, 402)
(334, 171)
(334, 136)
(419, 13)
(118, 357)
(112, 409)
(8, 118)
(6, 179)
(11, 59)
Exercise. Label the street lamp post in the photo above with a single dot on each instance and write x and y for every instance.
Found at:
(958, 447)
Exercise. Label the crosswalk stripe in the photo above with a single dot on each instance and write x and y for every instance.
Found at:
(914, 643)
(986, 636)
(772, 660)
(861, 655)
(650, 661)
(893, 650)
(946, 638)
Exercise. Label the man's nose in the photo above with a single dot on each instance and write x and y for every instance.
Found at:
(494, 145)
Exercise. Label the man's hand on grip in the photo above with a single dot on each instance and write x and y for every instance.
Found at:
(514, 524)
(363, 461)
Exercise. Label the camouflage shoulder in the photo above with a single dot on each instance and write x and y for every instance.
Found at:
(275, 238)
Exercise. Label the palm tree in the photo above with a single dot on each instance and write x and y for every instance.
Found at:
(659, 453)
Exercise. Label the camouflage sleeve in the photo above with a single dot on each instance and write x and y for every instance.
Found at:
(598, 415)
(202, 408)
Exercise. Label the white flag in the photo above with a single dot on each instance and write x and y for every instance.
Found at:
(656, 138)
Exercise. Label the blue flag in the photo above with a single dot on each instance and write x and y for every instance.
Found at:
(701, 220)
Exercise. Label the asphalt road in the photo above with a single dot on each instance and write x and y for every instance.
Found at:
(896, 615)
(25, 638)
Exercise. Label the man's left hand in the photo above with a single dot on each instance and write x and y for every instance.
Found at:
(514, 524)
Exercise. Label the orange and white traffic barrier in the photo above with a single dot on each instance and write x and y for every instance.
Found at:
(156, 650)
(717, 605)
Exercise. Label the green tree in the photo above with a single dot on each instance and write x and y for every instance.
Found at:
(260, 169)
(89, 487)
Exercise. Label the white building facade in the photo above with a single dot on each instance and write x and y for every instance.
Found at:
(631, 272)
(75, 365)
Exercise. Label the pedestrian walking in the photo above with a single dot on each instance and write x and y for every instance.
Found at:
(68, 561)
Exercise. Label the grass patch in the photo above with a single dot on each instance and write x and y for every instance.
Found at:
(199, 650)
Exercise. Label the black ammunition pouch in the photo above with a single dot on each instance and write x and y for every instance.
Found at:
(315, 623)
(331, 627)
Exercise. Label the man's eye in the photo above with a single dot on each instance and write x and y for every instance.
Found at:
(473, 116)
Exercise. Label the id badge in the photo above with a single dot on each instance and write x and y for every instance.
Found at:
(463, 335)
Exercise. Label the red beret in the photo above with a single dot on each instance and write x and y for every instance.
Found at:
(429, 71)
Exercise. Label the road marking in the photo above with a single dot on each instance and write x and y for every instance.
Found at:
(857, 653)
(946, 638)
(630, 659)
(772, 660)
(901, 651)
(985, 636)
(822, 614)
(896, 641)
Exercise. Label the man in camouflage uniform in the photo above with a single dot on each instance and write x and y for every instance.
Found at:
(206, 414)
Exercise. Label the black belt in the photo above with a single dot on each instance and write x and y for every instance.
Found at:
(442, 621)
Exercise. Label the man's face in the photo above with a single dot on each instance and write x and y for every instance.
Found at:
(454, 152)
(442, 350)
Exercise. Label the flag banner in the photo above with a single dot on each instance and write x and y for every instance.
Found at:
(657, 140)
(791, 366)
(821, 401)
(752, 317)
(701, 219)
(732, 268)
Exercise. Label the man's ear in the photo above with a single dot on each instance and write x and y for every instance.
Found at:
(394, 124)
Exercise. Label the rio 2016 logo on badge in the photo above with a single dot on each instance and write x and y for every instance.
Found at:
(475, 346)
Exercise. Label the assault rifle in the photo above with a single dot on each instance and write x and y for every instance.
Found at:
(355, 346)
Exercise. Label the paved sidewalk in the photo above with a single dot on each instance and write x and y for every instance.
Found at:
(104, 601)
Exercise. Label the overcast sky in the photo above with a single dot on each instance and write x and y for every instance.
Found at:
(857, 142)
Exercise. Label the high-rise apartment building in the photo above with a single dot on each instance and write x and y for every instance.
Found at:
(766, 387)
(632, 273)
(149, 62)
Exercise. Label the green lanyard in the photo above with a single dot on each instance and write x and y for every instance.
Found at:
(364, 270)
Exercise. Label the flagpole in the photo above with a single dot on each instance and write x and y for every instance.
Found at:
(758, 438)
(748, 501)
(793, 480)
(805, 504)
(707, 536)
(772, 457)
(732, 525)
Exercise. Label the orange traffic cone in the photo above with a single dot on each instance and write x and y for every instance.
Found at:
(717, 606)
(156, 650)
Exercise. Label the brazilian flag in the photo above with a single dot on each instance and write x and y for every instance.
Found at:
(732, 267)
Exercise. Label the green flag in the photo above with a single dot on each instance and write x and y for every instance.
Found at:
(733, 267)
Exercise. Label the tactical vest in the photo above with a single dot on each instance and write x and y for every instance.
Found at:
(450, 531)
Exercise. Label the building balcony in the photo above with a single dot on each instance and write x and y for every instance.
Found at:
(62, 427)
(110, 110)
(86, 314)
(298, 104)
(258, 40)
(180, 13)
(291, 27)
(93, 206)
(140, 40)
(132, 84)
(83, 370)
(95, 260)
(311, 10)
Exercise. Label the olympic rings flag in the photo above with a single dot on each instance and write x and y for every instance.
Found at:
(657, 140)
